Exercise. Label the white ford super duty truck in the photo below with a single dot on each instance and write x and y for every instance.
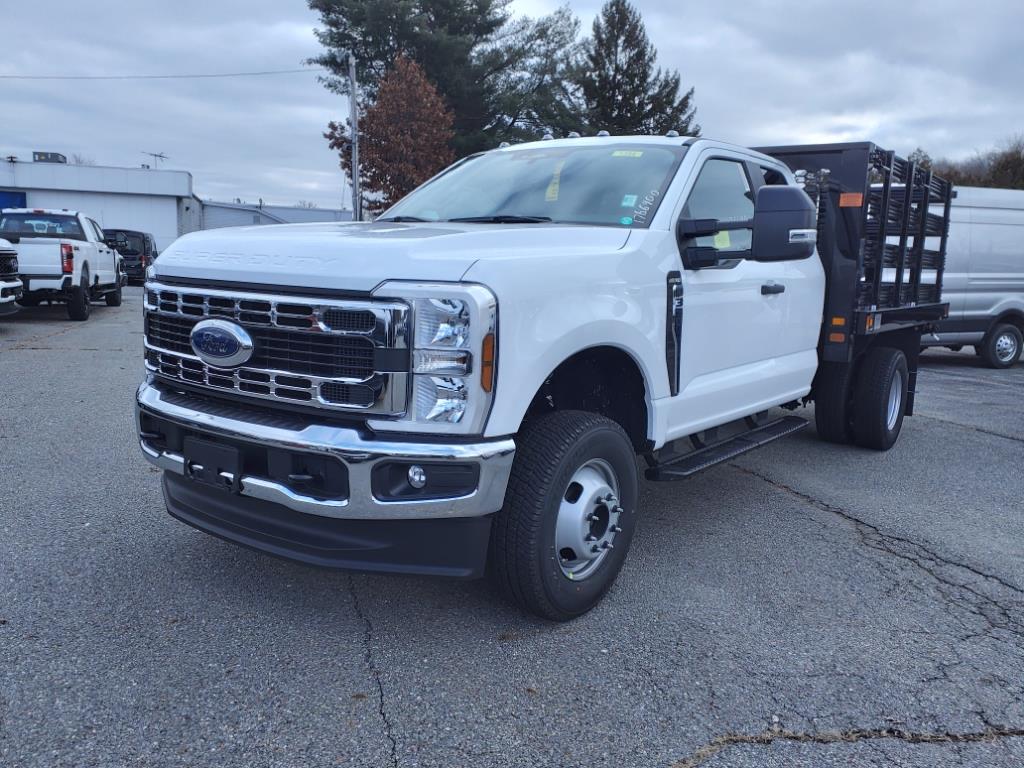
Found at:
(63, 257)
(472, 383)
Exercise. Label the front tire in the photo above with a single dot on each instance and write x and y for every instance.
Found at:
(559, 541)
(1001, 346)
(78, 302)
(880, 398)
(113, 298)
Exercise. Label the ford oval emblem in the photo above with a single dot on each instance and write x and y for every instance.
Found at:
(221, 343)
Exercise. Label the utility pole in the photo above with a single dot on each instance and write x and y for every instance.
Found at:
(357, 198)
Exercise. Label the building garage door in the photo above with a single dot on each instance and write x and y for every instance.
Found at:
(12, 199)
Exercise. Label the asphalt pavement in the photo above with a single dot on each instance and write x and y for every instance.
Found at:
(805, 605)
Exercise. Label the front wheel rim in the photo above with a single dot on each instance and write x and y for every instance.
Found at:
(1006, 348)
(589, 518)
(895, 401)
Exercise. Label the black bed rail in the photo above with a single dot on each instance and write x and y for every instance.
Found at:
(883, 226)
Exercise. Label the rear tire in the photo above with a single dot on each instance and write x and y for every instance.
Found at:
(78, 302)
(565, 464)
(833, 408)
(1001, 346)
(113, 298)
(880, 398)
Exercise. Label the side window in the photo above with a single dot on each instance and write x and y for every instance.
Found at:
(773, 177)
(97, 231)
(722, 191)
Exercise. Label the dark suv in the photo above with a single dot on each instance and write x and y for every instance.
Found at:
(138, 250)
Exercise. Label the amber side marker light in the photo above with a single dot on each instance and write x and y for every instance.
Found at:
(851, 199)
(487, 363)
(839, 321)
(838, 338)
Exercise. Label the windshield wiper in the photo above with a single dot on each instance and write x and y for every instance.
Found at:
(503, 218)
(403, 219)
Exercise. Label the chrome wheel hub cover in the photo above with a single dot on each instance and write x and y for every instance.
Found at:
(589, 516)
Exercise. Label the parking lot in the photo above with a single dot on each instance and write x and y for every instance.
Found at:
(808, 604)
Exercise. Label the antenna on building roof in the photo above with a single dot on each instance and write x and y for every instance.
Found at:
(157, 157)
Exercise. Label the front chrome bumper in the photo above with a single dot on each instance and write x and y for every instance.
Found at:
(10, 291)
(359, 452)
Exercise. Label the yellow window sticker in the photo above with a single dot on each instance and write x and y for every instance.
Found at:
(551, 195)
(627, 153)
(722, 239)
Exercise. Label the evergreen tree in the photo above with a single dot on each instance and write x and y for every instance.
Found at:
(403, 138)
(622, 90)
(497, 76)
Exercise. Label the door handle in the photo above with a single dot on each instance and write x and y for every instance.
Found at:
(772, 288)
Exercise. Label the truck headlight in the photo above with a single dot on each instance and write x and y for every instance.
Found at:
(453, 340)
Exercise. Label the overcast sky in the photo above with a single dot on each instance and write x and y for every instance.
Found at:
(948, 76)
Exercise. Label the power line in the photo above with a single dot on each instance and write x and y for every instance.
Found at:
(159, 77)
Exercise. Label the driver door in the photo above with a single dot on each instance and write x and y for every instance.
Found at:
(730, 328)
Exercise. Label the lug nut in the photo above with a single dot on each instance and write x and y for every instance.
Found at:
(595, 549)
(607, 545)
(615, 529)
(591, 537)
(592, 518)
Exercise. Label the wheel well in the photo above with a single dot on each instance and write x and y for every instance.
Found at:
(1012, 317)
(602, 380)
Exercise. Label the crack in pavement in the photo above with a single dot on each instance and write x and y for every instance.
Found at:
(704, 753)
(374, 670)
(988, 608)
(971, 427)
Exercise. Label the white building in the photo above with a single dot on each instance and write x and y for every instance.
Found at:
(160, 202)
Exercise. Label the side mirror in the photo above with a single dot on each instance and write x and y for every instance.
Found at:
(785, 224)
(690, 228)
(695, 256)
(700, 257)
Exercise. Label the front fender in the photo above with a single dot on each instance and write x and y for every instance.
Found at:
(549, 312)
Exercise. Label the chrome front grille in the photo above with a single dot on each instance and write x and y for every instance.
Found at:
(8, 265)
(335, 354)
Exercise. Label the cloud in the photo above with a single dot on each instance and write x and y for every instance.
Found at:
(948, 76)
(944, 75)
(240, 137)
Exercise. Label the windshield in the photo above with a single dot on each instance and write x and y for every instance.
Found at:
(615, 185)
(135, 242)
(40, 225)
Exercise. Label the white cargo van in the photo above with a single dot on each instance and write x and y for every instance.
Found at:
(984, 279)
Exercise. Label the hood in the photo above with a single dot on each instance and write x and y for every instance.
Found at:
(358, 257)
(6, 247)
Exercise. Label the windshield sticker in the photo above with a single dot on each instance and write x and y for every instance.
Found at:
(643, 210)
(626, 221)
(722, 239)
(627, 153)
(551, 195)
(629, 201)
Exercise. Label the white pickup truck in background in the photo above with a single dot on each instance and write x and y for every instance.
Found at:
(464, 386)
(63, 258)
(10, 282)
